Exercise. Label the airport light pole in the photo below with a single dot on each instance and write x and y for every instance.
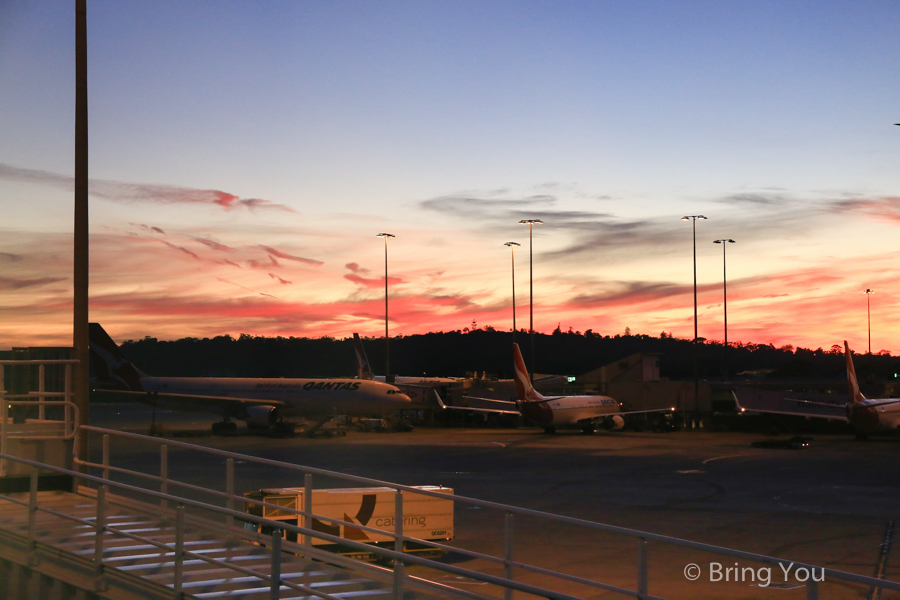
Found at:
(869, 292)
(693, 219)
(725, 243)
(387, 339)
(531, 223)
(512, 248)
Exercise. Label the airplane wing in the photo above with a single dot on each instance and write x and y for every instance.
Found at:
(497, 411)
(886, 401)
(220, 401)
(795, 413)
(652, 410)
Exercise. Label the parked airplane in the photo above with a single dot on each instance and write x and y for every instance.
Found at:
(550, 412)
(261, 403)
(867, 416)
(364, 368)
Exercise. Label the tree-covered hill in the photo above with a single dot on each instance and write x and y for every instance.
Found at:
(457, 353)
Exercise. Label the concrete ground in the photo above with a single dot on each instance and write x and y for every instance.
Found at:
(827, 504)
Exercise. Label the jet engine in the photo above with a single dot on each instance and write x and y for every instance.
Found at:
(613, 423)
(261, 417)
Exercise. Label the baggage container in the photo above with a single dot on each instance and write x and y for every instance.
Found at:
(424, 517)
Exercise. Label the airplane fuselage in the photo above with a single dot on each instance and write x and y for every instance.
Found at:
(568, 410)
(305, 397)
(870, 419)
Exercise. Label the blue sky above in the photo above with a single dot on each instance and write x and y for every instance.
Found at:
(450, 120)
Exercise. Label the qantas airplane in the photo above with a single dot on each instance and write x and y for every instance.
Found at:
(867, 416)
(550, 412)
(261, 403)
(364, 368)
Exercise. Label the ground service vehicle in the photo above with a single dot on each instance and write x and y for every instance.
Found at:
(424, 517)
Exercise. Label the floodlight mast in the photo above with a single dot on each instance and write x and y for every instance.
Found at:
(868, 293)
(725, 243)
(693, 219)
(531, 223)
(387, 339)
(512, 247)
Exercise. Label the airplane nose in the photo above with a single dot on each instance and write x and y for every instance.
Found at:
(404, 398)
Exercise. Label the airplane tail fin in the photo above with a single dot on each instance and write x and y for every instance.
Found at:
(525, 392)
(855, 396)
(109, 362)
(363, 368)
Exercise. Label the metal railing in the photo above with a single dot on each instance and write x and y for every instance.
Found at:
(37, 399)
(511, 567)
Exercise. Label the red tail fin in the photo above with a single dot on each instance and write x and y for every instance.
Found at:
(363, 368)
(855, 396)
(524, 391)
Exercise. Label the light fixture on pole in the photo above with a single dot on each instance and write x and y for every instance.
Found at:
(531, 223)
(725, 243)
(869, 292)
(694, 218)
(387, 339)
(512, 248)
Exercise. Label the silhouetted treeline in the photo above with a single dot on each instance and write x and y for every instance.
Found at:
(457, 353)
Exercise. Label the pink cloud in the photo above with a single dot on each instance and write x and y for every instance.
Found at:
(355, 268)
(118, 191)
(371, 283)
(280, 280)
(214, 245)
(9, 283)
(182, 249)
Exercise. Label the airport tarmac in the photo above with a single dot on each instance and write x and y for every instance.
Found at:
(827, 504)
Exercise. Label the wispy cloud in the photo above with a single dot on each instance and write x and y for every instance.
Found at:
(356, 276)
(885, 209)
(180, 249)
(9, 283)
(214, 245)
(148, 228)
(144, 193)
(286, 256)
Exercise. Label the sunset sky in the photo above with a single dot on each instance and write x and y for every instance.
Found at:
(243, 155)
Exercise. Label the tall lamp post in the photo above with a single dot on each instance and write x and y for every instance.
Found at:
(725, 243)
(693, 219)
(81, 248)
(531, 223)
(869, 292)
(387, 339)
(512, 248)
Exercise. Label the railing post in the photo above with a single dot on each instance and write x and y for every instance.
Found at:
(179, 551)
(99, 531)
(229, 489)
(642, 568)
(508, 552)
(398, 545)
(307, 508)
(67, 396)
(275, 573)
(105, 456)
(32, 518)
(164, 474)
(812, 588)
(41, 388)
